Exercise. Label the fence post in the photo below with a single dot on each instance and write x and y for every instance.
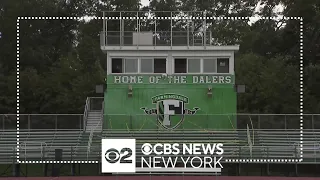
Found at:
(29, 123)
(56, 122)
(3, 122)
(285, 121)
(312, 121)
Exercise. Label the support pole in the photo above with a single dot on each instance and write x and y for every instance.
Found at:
(120, 24)
(104, 29)
(171, 28)
(155, 32)
(205, 29)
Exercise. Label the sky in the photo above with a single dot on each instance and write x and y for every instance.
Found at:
(144, 2)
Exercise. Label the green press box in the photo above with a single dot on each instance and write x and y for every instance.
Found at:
(148, 102)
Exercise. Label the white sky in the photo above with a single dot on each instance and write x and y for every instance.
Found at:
(145, 2)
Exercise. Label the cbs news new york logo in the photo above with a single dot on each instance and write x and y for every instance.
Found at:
(119, 156)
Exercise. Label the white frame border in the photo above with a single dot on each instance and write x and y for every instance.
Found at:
(166, 18)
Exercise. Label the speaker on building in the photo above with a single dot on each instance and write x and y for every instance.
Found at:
(100, 88)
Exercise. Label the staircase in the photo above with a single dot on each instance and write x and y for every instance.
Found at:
(94, 121)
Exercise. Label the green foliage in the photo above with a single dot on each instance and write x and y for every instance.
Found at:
(61, 61)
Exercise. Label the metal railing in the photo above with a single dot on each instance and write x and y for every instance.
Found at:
(204, 121)
(94, 130)
(85, 113)
(29, 149)
(230, 152)
(42, 121)
(160, 38)
(75, 121)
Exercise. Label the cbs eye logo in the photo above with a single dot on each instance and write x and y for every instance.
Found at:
(113, 155)
(146, 149)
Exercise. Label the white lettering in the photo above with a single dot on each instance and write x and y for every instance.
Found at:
(228, 79)
(175, 148)
(201, 80)
(185, 161)
(193, 164)
(207, 148)
(158, 79)
(169, 161)
(156, 161)
(196, 148)
(144, 161)
(125, 79)
(221, 79)
(206, 162)
(195, 79)
(152, 79)
(217, 162)
(173, 79)
(140, 79)
(184, 79)
(219, 148)
(155, 149)
(186, 148)
(133, 79)
(176, 79)
(167, 149)
(215, 79)
(117, 79)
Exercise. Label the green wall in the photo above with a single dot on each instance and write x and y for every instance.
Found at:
(123, 112)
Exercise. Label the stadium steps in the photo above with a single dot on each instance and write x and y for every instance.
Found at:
(93, 121)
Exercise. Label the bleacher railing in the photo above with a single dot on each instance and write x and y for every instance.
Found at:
(85, 114)
(75, 121)
(159, 38)
(289, 147)
(201, 121)
(79, 153)
(94, 130)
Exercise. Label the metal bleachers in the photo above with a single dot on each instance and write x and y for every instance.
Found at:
(38, 145)
(267, 144)
(35, 145)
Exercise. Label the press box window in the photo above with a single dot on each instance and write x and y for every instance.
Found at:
(157, 65)
(194, 66)
(180, 65)
(131, 65)
(209, 66)
(120, 65)
(160, 65)
(223, 65)
(117, 65)
(146, 66)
